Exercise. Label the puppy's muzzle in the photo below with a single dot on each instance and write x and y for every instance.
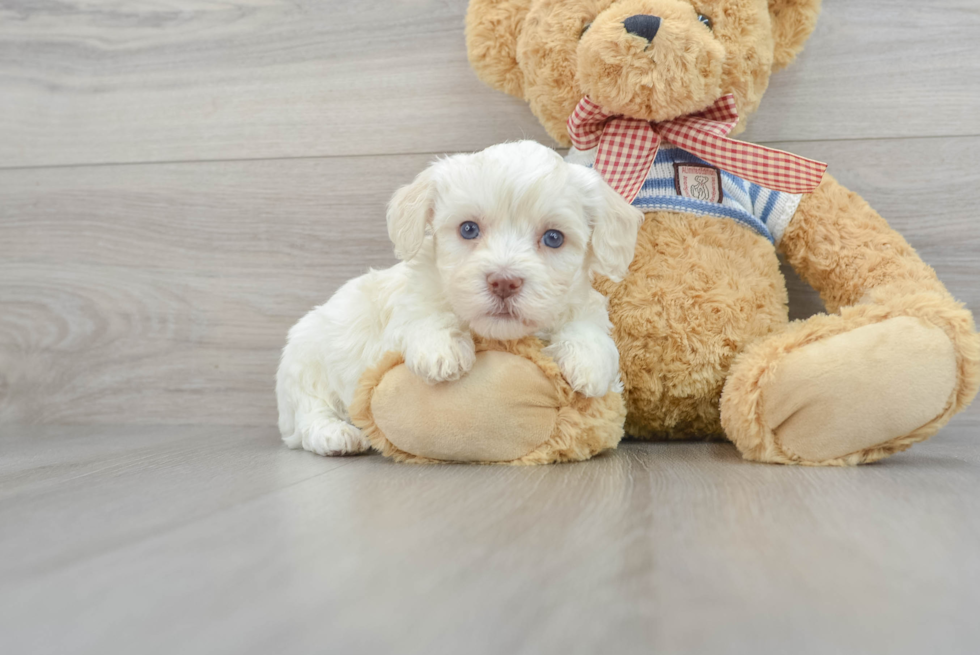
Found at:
(504, 286)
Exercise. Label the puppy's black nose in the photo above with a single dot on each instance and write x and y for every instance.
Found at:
(643, 25)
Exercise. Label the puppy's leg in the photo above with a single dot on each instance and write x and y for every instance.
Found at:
(321, 429)
(435, 345)
(311, 415)
(325, 355)
(439, 355)
(584, 350)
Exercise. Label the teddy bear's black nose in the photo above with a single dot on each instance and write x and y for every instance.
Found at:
(643, 25)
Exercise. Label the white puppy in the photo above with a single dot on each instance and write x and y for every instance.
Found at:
(502, 243)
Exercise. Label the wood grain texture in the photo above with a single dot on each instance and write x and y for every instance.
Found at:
(879, 69)
(192, 540)
(158, 295)
(161, 294)
(180, 80)
(177, 80)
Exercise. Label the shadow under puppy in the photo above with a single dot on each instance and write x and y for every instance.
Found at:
(502, 243)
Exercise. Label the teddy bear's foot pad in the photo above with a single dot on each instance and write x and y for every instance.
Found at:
(504, 408)
(859, 389)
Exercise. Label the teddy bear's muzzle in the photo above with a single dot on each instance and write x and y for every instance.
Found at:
(643, 25)
(650, 59)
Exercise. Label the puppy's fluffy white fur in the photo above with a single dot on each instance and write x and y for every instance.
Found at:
(426, 306)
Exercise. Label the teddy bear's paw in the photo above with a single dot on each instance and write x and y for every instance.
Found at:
(859, 389)
(590, 368)
(441, 356)
(332, 438)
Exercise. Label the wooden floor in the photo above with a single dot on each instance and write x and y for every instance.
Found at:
(217, 540)
(180, 180)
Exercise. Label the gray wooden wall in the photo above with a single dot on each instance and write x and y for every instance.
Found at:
(181, 179)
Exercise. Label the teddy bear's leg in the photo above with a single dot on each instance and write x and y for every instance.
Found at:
(898, 358)
(699, 290)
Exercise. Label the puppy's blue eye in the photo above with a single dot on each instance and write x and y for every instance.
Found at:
(469, 230)
(553, 239)
(705, 20)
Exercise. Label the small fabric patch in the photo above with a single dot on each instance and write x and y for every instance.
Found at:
(698, 182)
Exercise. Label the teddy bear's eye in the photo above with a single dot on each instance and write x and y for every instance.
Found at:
(584, 30)
(704, 19)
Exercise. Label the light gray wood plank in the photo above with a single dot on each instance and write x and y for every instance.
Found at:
(679, 548)
(158, 293)
(106, 485)
(190, 80)
(879, 69)
(161, 294)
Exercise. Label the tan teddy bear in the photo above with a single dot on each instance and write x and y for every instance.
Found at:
(701, 321)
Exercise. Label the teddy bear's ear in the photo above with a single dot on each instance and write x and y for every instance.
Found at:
(492, 28)
(792, 23)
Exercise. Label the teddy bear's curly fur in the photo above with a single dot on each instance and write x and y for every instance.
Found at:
(701, 320)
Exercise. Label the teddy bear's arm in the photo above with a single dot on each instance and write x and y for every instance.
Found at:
(892, 361)
(844, 249)
(864, 268)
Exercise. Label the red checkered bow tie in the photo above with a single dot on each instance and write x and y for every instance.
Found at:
(628, 146)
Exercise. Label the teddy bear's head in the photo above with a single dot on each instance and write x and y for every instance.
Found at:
(650, 59)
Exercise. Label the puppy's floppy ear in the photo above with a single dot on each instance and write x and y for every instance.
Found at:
(410, 212)
(615, 223)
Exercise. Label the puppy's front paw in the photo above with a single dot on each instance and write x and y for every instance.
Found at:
(334, 438)
(592, 369)
(440, 356)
